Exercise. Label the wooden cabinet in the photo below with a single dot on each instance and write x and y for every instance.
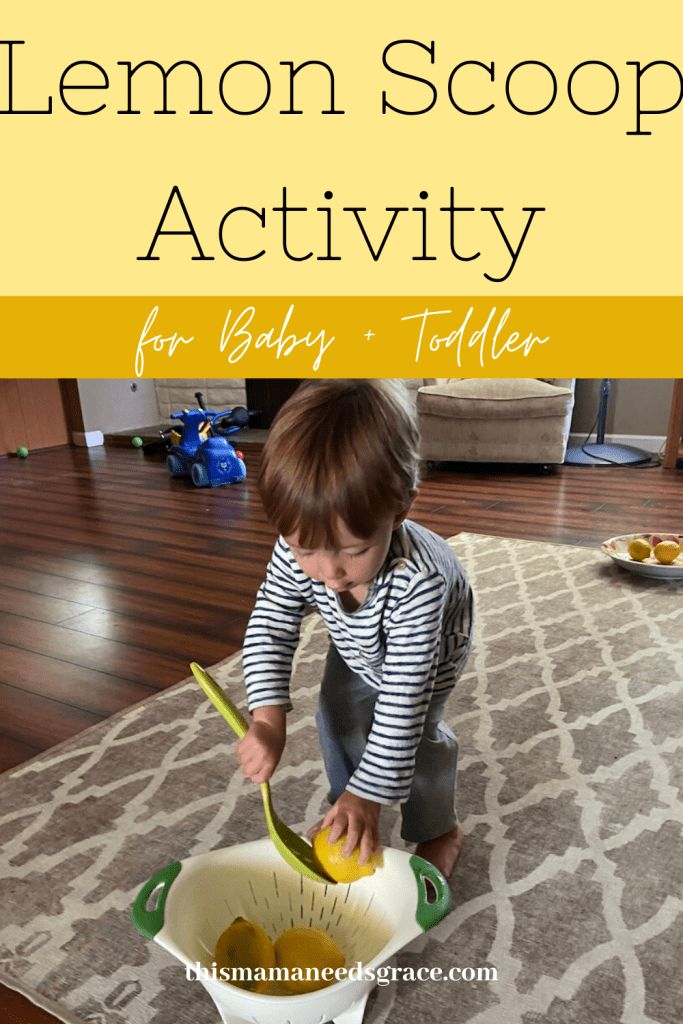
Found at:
(674, 435)
(32, 413)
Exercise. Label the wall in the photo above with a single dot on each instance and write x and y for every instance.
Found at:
(110, 405)
(635, 407)
(638, 407)
(178, 393)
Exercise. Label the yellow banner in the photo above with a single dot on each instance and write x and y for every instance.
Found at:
(384, 149)
(275, 336)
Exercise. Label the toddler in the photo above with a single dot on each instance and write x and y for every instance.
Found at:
(338, 477)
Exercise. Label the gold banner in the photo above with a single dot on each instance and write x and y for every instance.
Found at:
(357, 336)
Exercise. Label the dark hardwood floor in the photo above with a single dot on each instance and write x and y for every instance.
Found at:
(113, 577)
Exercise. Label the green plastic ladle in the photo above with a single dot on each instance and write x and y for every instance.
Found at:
(295, 850)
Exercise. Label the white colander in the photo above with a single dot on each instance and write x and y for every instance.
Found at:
(187, 905)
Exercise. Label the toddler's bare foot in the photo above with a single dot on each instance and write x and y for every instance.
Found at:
(443, 851)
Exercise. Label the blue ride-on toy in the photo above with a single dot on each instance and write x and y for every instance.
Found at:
(203, 452)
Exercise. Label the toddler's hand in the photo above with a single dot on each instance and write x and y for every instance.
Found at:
(359, 818)
(260, 750)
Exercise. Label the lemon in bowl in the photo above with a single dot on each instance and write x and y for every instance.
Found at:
(305, 953)
(245, 944)
(639, 549)
(667, 551)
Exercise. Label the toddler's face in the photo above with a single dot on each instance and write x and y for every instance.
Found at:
(354, 563)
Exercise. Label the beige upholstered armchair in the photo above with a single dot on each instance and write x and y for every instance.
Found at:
(494, 420)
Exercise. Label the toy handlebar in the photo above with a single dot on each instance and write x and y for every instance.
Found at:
(229, 421)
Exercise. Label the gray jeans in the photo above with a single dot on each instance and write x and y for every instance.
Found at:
(344, 720)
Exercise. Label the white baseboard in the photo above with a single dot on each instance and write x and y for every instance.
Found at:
(89, 439)
(648, 442)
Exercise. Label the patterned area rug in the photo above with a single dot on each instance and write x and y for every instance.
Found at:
(570, 720)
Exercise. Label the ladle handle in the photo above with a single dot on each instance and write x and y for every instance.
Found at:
(220, 700)
(233, 717)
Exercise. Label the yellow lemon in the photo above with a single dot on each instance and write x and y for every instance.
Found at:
(667, 551)
(342, 869)
(639, 549)
(307, 948)
(244, 944)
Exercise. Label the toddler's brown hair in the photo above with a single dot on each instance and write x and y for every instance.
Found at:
(346, 449)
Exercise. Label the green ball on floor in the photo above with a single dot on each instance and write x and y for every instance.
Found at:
(137, 442)
(22, 451)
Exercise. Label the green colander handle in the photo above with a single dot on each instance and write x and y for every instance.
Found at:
(220, 700)
(150, 922)
(428, 914)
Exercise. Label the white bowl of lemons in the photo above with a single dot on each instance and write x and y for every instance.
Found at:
(657, 555)
(243, 906)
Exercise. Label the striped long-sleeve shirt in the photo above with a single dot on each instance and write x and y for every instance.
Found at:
(408, 639)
